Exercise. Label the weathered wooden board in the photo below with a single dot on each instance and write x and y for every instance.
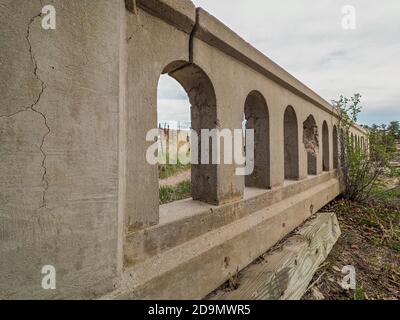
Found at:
(286, 272)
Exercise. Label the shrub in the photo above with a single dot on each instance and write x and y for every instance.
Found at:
(361, 167)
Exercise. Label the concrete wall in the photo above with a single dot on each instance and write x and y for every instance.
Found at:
(76, 190)
(59, 147)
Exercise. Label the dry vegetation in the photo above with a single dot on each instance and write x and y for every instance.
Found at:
(370, 242)
(178, 191)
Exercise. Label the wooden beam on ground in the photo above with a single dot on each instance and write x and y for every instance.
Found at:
(286, 272)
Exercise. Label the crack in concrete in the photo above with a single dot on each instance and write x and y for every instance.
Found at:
(32, 107)
(35, 67)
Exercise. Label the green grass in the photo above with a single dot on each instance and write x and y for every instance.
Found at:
(179, 192)
(391, 195)
(380, 219)
(169, 170)
(395, 172)
(387, 196)
(359, 294)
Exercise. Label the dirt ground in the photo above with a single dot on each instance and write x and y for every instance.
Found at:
(370, 243)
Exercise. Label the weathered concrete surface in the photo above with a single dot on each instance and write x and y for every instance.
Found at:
(311, 143)
(165, 45)
(197, 267)
(217, 50)
(76, 190)
(58, 148)
(179, 13)
(185, 220)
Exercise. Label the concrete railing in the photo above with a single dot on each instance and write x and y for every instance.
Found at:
(77, 191)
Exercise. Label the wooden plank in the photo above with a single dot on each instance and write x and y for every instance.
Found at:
(286, 271)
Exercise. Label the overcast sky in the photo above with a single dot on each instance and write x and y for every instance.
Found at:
(306, 38)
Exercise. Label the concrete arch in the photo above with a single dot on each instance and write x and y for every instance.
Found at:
(352, 142)
(311, 144)
(335, 147)
(291, 144)
(325, 147)
(203, 102)
(257, 118)
(342, 144)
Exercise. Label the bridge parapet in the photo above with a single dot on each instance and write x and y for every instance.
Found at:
(77, 190)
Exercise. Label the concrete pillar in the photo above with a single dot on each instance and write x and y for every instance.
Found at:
(276, 137)
(152, 46)
(59, 148)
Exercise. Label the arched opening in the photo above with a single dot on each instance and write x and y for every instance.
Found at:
(325, 147)
(352, 140)
(291, 144)
(203, 115)
(335, 149)
(257, 118)
(174, 124)
(311, 144)
(343, 138)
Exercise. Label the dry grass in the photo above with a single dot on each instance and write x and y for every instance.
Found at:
(370, 242)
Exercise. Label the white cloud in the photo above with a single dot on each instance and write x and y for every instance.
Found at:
(173, 102)
(173, 110)
(307, 39)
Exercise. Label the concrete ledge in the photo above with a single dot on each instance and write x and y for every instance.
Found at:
(195, 268)
(179, 13)
(184, 220)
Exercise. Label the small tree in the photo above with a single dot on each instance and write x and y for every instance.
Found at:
(394, 129)
(360, 166)
(385, 138)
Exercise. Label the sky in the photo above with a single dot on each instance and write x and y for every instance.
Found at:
(306, 37)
